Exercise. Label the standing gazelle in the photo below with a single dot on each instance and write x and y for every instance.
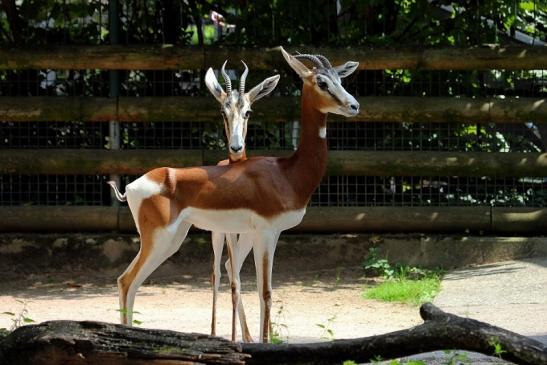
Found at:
(235, 107)
(262, 195)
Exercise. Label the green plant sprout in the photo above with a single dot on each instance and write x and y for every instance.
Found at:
(126, 311)
(327, 332)
(19, 319)
(279, 331)
(498, 348)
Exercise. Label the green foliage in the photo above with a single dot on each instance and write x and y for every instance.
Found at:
(376, 266)
(269, 23)
(405, 291)
(456, 358)
(398, 362)
(407, 284)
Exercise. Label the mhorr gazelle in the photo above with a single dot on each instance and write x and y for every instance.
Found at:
(261, 196)
(235, 107)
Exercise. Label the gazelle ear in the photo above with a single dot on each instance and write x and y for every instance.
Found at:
(346, 69)
(263, 89)
(213, 85)
(296, 65)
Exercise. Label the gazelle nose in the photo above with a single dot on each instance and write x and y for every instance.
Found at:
(236, 148)
(354, 107)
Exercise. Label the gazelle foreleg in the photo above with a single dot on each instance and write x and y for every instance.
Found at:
(243, 247)
(218, 245)
(240, 248)
(264, 249)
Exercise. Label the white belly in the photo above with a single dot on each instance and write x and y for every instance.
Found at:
(239, 220)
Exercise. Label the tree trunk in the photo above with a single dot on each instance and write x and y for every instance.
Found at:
(59, 342)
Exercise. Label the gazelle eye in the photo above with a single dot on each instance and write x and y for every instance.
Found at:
(248, 113)
(322, 84)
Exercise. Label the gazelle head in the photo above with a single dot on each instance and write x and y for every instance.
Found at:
(235, 106)
(326, 82)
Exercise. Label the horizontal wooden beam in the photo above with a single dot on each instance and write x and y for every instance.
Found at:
(317, 219)
(163, 57)
(273, 109)
(341, 163)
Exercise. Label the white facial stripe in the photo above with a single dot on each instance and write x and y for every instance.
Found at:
(343, 100)
(236, 123)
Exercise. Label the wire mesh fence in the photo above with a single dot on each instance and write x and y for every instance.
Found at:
(145, 22)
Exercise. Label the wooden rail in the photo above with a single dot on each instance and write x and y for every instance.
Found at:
(341, 163)
(163, 57)
(317, 219)
(274, 109)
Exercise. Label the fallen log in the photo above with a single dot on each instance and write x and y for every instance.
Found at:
(61, 342)
(88, 342)
(440, 331)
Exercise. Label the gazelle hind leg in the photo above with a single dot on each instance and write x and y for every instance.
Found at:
(156, 247)
(231, 240)
(244, 246)
(263, 250)
(217, 240)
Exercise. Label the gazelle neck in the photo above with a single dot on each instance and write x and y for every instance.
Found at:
(309, 162)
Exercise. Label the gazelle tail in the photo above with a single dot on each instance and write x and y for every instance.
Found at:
(121, 197)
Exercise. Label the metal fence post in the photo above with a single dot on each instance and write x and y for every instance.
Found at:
(114, 126)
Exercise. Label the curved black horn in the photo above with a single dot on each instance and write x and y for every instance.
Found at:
(310, 57)
(226, 78)
(324, 60)
(243, 77)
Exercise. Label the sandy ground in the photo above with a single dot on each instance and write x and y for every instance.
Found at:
(512, 295)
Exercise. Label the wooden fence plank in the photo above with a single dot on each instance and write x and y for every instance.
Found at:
(91, 161)
(168, 57)
(507, 220)
(341, 163)
(317, 219)
(273, 109)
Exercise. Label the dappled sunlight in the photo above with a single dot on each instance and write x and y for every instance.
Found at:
(538, 103)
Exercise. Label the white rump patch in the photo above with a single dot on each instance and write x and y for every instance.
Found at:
(137, 191)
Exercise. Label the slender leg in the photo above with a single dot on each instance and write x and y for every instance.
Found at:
(264, 249)
(156, 247)
(218, 244)
(231, 239)
(239, 252)
(244, 246)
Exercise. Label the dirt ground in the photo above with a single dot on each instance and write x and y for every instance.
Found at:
(512, 295)
(301, 303)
